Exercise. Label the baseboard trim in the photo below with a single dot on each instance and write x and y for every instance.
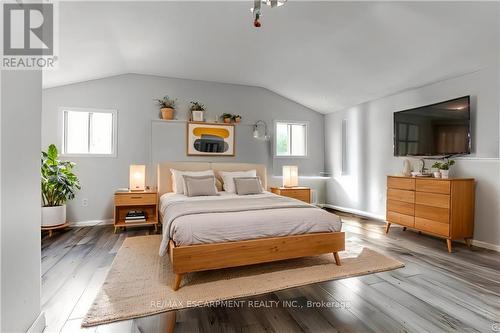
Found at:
(355, 211)
(90, 223)
(363, 213)
(38, 325)
(485, 245)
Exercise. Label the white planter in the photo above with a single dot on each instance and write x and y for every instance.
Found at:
(445, 173)
(52, 216)
(437, 174)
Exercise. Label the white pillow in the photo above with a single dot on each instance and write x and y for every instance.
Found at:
(228, 178)
(178, 180)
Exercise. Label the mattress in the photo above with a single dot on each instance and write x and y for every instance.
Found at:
(252, 223)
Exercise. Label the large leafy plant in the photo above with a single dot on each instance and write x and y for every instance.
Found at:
(59, 183)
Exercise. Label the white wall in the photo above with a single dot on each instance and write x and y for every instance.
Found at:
(144, 141)
(370, 148)
(21, 99)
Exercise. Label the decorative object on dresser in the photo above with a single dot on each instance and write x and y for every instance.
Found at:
(406, 168)
(167, 107)
(440, 207)
(135, 208)
(137, 177)
(59, 184)
(299, 193)
(444, 168)
(290, 176)
(197, 111)
(204, 139)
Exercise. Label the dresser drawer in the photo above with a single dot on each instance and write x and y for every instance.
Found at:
(401, 207)
(402, 219)
(401, 183)
(433, 186)
(135, 199)
(401, 195)
(437, 214)
(434, 227)
(432, 199)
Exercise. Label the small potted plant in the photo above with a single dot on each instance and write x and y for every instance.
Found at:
(445, 168)
(227, 117)
(167, 107)
(59, 184)
(197, 111)
(237, 118)
(437, 166)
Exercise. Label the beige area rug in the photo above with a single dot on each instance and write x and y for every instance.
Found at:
(138, 283)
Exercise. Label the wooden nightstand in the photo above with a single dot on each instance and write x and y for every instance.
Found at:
(300, 193)
(146, 201)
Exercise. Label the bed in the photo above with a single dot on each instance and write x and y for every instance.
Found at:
(228, 230)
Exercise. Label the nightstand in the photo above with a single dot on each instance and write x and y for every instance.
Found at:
(146, 201)
(300, 193)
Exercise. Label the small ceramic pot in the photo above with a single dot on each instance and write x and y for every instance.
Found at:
(227, 120)
(167, 113)
(437, 174)
(445, 174)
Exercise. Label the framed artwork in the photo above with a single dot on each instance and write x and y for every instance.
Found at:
(205, 139)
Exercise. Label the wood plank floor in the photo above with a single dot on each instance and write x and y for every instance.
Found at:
(435, 292)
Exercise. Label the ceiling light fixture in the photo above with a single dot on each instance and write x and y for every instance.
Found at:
(257, 8)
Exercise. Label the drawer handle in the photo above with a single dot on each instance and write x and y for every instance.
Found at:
(135, 197)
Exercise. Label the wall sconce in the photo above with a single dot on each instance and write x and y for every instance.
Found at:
(256, 132)
(290, 176)
(137, 180)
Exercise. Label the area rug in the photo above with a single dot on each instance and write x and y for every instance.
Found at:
(139, 281)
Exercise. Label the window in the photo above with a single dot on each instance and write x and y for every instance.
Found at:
(89, 132)
(290, 139)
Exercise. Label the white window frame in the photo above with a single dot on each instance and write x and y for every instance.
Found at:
(294, 122)
(114, 135)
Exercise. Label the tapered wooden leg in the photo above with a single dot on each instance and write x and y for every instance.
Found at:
(156, 228)
(171, 318)
(404, 228)
(468, 242)
(177, 281)
(448, 242)
(387, 227)
(337, 258)
(114, 231)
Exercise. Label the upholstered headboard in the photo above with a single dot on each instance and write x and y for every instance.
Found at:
(165, 176)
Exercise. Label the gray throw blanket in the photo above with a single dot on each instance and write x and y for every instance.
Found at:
(183, 208)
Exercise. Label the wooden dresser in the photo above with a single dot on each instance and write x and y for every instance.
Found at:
(300, 193)
(441, 207)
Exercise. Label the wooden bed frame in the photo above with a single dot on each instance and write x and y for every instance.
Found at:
(195, 258)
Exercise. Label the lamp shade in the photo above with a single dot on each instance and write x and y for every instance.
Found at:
(137, 178)
(290, 176)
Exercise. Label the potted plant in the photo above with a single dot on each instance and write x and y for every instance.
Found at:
(437, 166)
(227, 117)
(445, 168)
(237, 118)
(197, 111)
(59, 184)
(167, 107)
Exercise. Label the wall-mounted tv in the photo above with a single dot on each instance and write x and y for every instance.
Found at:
(439, 129)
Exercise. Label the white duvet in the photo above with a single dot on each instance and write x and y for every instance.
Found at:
(242, 225)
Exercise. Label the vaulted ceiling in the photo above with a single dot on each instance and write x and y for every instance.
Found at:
(324, 55)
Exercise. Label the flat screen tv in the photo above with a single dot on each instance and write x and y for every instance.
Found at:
(441, 129)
